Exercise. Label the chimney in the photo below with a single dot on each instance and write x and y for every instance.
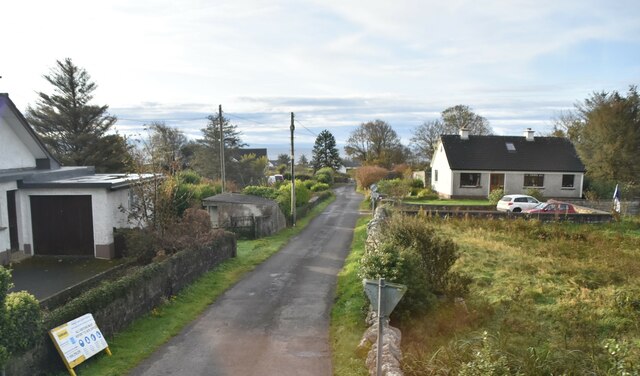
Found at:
(464, 134)
(528, 134)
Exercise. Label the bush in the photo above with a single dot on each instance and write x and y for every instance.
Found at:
(20, 319)
(261, 191)
(396, 188)
(303, 177)
(367, 175)
(326, 171)
(319, 187)
(416, 183)
(284, 196)
(189, 176)
(427, 194)
(309, 183)
(324, 178)
(496, 195)
(536, 193)
(412, 253)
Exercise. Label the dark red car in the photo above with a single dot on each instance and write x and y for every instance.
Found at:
(553, 207)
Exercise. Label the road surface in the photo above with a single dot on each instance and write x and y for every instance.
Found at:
(276, 320)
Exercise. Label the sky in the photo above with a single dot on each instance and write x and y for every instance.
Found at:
(335, 63)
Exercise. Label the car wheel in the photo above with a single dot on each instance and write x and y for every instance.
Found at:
(517, 210)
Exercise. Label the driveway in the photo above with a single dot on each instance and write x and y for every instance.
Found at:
(276, 320)
(44, 276)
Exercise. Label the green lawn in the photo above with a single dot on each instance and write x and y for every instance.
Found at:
(168, 319)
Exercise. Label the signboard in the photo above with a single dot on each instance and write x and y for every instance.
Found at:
(391, 294)
(78, 340)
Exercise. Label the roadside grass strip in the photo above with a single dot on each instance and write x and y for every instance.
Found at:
(347, 315)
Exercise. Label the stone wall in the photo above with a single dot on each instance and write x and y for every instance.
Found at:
(391, 353)
(139, 294)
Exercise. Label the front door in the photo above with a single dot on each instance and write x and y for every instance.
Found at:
(497, 182)
(13, 220)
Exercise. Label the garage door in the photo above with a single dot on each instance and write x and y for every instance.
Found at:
(62, 225)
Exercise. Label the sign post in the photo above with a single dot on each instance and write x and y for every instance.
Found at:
(384, 296)
(78, 340)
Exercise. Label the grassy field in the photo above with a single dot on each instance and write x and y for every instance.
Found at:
(168, 320)
(347, 322)
(546, 299)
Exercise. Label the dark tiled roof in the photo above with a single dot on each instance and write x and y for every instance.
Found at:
(259, 152)
(237, 198)
(552, 154)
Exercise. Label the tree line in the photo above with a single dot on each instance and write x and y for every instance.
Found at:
(605, 129)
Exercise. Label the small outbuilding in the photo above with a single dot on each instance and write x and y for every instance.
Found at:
(246, 215)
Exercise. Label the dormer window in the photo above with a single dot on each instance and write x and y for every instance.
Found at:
(510, 147)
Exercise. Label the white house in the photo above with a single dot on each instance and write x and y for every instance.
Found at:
(47, 209)
(472, 166)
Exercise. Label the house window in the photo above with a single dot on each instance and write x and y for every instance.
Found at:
(469, 179)
(533, 180)
(435, 175)
(567, 181)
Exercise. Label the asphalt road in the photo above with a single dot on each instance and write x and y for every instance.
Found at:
(276, 320)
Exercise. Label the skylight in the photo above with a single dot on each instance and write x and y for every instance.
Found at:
(510, 147)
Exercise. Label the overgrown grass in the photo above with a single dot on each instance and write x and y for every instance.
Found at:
(347, 315)
(170, 318)
(546, 299)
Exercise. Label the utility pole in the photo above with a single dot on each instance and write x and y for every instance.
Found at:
(293, 177)
(222, 177)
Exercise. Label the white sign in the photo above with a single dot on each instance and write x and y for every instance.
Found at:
(78, 340)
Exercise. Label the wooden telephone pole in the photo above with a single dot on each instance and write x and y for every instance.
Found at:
(293, 177)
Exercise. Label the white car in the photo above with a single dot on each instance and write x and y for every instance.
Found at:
(516, 203)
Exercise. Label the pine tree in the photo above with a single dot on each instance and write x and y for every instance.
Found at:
(74, 130)
(207, 155)
(325, 153)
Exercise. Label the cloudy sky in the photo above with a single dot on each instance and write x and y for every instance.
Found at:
(334, 63)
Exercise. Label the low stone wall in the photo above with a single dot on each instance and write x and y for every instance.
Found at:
(391, 353)
(117, 304)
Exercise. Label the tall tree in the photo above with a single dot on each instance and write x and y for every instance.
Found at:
(283, 159)
(303, 161)
(606, 133)
(426, 136)
(72, 128)
(325, 153)
(167, 147)
(207, 155)
(375, 143)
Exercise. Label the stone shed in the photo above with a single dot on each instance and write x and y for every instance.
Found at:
(246, 215)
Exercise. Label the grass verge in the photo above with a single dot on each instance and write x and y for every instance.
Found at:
(168, 319)
(347, 324)
(447, 202)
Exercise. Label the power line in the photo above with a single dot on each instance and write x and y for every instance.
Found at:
(308, 130)
(245, 119)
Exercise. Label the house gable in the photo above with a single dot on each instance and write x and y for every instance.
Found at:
(21, 148)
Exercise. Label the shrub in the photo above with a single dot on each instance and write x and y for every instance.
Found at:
(284, 196)
(326, 171)
(24, 321)
(324, 178)
(266, 192)
(20, 319)
(396, 188)
(496, 195)
(319, 187)
(309, 183)
(427, 194)
(303, 177)
(416, 183)
(189, 176)
(367, 175)
(536, 193)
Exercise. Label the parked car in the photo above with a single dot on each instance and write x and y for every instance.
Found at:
(554, 207)
(273, 179)
(517, 203)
